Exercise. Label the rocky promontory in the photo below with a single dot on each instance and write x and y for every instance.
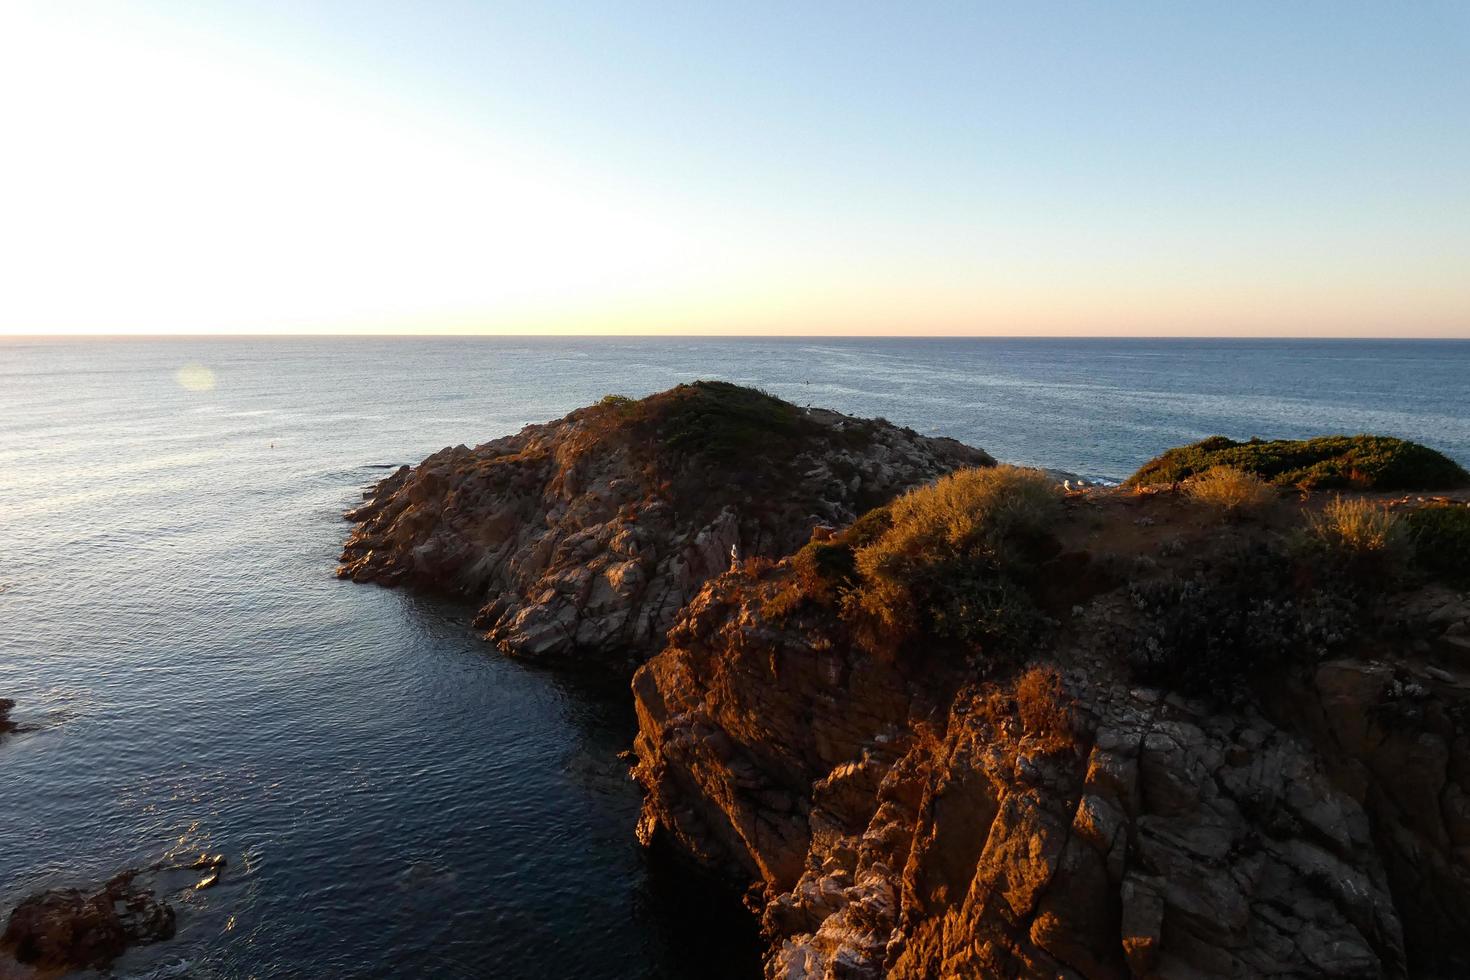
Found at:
(582, 538)
(940, 717)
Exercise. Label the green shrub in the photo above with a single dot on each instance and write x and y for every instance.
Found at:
(868, 528)
(822, 570)
(1230, 489)
(978, 604)
(1362, 462)
(818, 573)
(705, 422)
(706, 443)
(1441, 538)
(954, 561)
(718, 418)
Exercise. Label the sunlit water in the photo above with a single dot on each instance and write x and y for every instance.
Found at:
(393, 796)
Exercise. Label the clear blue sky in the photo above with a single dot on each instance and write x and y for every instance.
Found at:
(1156, 168)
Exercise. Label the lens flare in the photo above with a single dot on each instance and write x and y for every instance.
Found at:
(195, 377)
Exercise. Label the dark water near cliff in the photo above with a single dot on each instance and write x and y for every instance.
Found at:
(394, 798)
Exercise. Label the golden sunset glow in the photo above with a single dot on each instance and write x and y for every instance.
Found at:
(195, 377)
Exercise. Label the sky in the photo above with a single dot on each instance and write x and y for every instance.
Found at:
(1111, 168)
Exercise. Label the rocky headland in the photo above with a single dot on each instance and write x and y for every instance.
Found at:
(944, 718)
(582, 538)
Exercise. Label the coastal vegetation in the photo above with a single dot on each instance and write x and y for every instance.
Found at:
(966, 563)
(1046, 711)
(1240, 609)
(710, 420)
(1232, 490)
(1356, 530)
(700, 441)
(1441, 540)
(951, 560)
(956, 561)
(1362, 462)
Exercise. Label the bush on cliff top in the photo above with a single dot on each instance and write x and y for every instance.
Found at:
(1232, 491)
(1248, 607)
(952, 561)
(1356, 528)
(710, 418)
(821, 571)
(1045, 709)
(955, 562)
(1361, 462)
(1441, 537)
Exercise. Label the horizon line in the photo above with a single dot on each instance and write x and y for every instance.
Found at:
(711, 336)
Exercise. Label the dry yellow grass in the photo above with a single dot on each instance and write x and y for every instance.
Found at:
(1230, 489)
(1358, 526)
(966, 508)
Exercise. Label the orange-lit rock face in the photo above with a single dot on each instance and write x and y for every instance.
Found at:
(898, 820)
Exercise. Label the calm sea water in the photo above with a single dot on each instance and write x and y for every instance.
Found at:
(395, 798)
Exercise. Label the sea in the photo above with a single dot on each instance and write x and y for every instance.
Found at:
(394, 797)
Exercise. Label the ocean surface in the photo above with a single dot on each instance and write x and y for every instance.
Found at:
(394, 798)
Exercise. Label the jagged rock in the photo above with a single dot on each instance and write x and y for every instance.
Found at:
(6, 725)
(584, 537)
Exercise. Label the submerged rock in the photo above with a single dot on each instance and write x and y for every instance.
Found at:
(69, 929)
(6, 725)
(582, 538)
(66, 929)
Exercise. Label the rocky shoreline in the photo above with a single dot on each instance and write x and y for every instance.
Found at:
(1217, 725)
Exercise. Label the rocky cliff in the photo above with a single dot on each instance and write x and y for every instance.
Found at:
(582, 538)
(1234, 746)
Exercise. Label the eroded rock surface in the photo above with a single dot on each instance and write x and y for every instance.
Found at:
(584, 537)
